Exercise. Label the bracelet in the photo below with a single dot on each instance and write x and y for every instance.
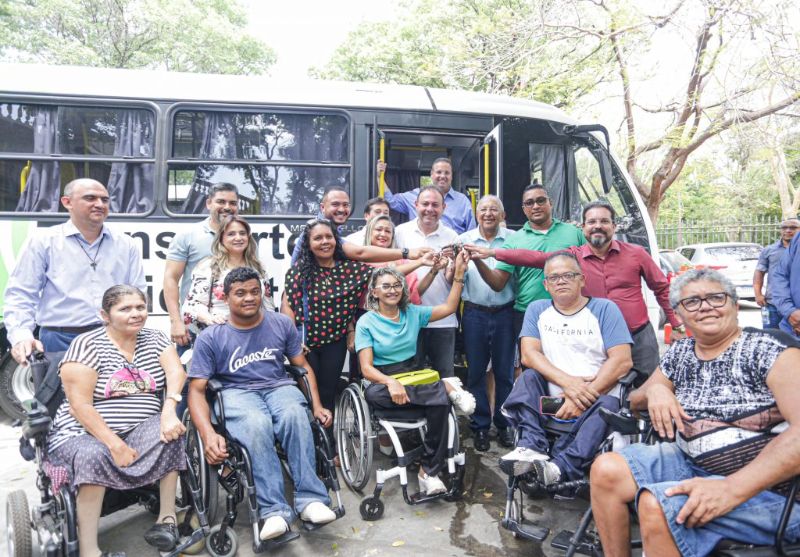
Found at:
(461, 280)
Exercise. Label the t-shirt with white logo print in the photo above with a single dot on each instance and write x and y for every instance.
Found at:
(247, 358)
(576, 344)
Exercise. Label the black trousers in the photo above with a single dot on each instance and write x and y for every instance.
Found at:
(430, 401)
(327, 361)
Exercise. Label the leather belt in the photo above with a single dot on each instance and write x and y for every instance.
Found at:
(489, 309)
(73, 330)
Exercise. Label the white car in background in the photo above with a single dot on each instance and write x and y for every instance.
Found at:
(735, 260)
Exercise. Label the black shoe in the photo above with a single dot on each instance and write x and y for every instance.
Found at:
(163, 536)
(113, 554)
(481, 440)
(505, 437)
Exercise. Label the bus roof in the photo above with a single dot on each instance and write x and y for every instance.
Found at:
(154, 85)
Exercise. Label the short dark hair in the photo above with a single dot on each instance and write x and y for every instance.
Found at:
(566, 254)
(373, 202)
(330, 189)
(599, 205)
(113, 295)
(423, 189)
(535, 186)
(442, 159)
(239, 274)
(222, 186)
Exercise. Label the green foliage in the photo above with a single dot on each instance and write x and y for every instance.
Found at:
(179, 35)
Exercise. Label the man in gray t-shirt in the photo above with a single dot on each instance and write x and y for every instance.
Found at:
(187, 249)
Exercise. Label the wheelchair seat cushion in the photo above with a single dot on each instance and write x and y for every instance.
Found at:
(85, 460)
(399, 413)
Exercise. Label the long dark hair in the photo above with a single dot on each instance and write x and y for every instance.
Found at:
(307, 263)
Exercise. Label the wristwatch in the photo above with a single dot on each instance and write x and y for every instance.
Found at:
(404, 253)
(680, 329)
(176, 397)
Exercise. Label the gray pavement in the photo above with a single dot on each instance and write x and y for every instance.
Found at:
(468, 527)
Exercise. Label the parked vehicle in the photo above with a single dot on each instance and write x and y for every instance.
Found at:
(735, 260)
(672, 264)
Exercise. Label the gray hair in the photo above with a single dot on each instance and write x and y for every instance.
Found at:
(372, 301)
(699, 275)
(69, 189)
(490, 197)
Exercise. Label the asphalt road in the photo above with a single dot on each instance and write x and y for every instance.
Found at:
(469, 527)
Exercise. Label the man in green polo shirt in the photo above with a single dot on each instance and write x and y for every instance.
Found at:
(541, 232)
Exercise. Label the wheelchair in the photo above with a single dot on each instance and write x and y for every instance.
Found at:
(54, 518)
(520, 485)
(585, 541)
(356, 426)
(235, 475)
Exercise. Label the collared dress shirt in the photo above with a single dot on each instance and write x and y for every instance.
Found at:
(618, 277)
(785, 285)
(475, 289)
(458, 215)
(408, 235)
(54, 285)
(768, 262)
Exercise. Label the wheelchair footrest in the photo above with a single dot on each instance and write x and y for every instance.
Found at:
(275, 543)
(527, 530)
(189, 541)
(587, 546)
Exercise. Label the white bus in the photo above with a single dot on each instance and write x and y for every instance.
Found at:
(159, 140)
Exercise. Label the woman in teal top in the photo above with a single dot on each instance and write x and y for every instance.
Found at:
(386, 342)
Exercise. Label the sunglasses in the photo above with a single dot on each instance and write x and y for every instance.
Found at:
(540, 201)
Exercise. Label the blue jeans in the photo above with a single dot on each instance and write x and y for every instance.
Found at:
(774, 320)
(489, 336)
(573, 452)
(54, 341)
(256, 419)
(658, 467)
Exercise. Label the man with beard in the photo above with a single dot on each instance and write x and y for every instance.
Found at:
(187, 249)
(457, 216)
(613, 270)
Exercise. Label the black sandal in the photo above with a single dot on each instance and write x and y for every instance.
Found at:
(163, 535)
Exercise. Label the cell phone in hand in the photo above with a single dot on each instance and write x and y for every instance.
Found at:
(550, 405)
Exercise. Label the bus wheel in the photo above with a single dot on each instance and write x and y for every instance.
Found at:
(16, 385)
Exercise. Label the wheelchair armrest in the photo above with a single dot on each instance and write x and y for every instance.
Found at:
(295, 371)
(628, 379)
(37, 420)
(214, 385)
(624, 423)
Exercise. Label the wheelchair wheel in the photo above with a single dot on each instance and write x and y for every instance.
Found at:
(371, 508)
(19, 525)
(206, 474)
(220, 544)
(353, 437)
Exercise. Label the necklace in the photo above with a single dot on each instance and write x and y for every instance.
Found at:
(394, 317)
(92, 260)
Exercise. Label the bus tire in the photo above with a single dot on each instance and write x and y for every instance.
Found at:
(16, 385)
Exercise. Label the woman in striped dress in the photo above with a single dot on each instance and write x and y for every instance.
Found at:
(112, 430)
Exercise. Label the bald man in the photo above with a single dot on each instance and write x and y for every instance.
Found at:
(61, 275)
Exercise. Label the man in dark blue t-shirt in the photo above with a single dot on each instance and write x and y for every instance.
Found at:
(246, 355)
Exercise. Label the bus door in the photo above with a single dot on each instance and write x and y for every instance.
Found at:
(490, 169)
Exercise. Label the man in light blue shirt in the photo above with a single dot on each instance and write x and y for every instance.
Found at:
(488, 328)
(768, 263)
(59, 280)
(785, 288)
(458, 212)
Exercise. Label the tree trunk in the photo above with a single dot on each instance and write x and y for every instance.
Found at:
(789, 195)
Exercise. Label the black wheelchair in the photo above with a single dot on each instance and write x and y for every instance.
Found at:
(235, 475)
(584, 540)
(520, 485)
(54, 518)
(357, 424)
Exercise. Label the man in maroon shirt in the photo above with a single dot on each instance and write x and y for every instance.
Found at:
(613, 270)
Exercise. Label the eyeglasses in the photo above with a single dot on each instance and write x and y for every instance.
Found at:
(566, 277)
(387, 287)
(715, 300)
(789, 227)
(540, 201)
(315, 221)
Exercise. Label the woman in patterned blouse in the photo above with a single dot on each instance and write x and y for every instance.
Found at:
(322, 294)
(233, 247)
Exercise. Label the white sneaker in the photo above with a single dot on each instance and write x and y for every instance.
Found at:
(431, 485)
(548, 473)
(454, 381)
(385, 445)
(273, 527)
(317, 512)
(463, 400)
(520, 461)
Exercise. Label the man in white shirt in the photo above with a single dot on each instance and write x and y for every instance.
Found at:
(437, 341)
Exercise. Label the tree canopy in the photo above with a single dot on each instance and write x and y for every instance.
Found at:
(179, 35)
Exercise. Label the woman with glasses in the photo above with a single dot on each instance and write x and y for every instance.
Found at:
(113, 430)
(233, 247)
(722, 395)
(386, 341)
